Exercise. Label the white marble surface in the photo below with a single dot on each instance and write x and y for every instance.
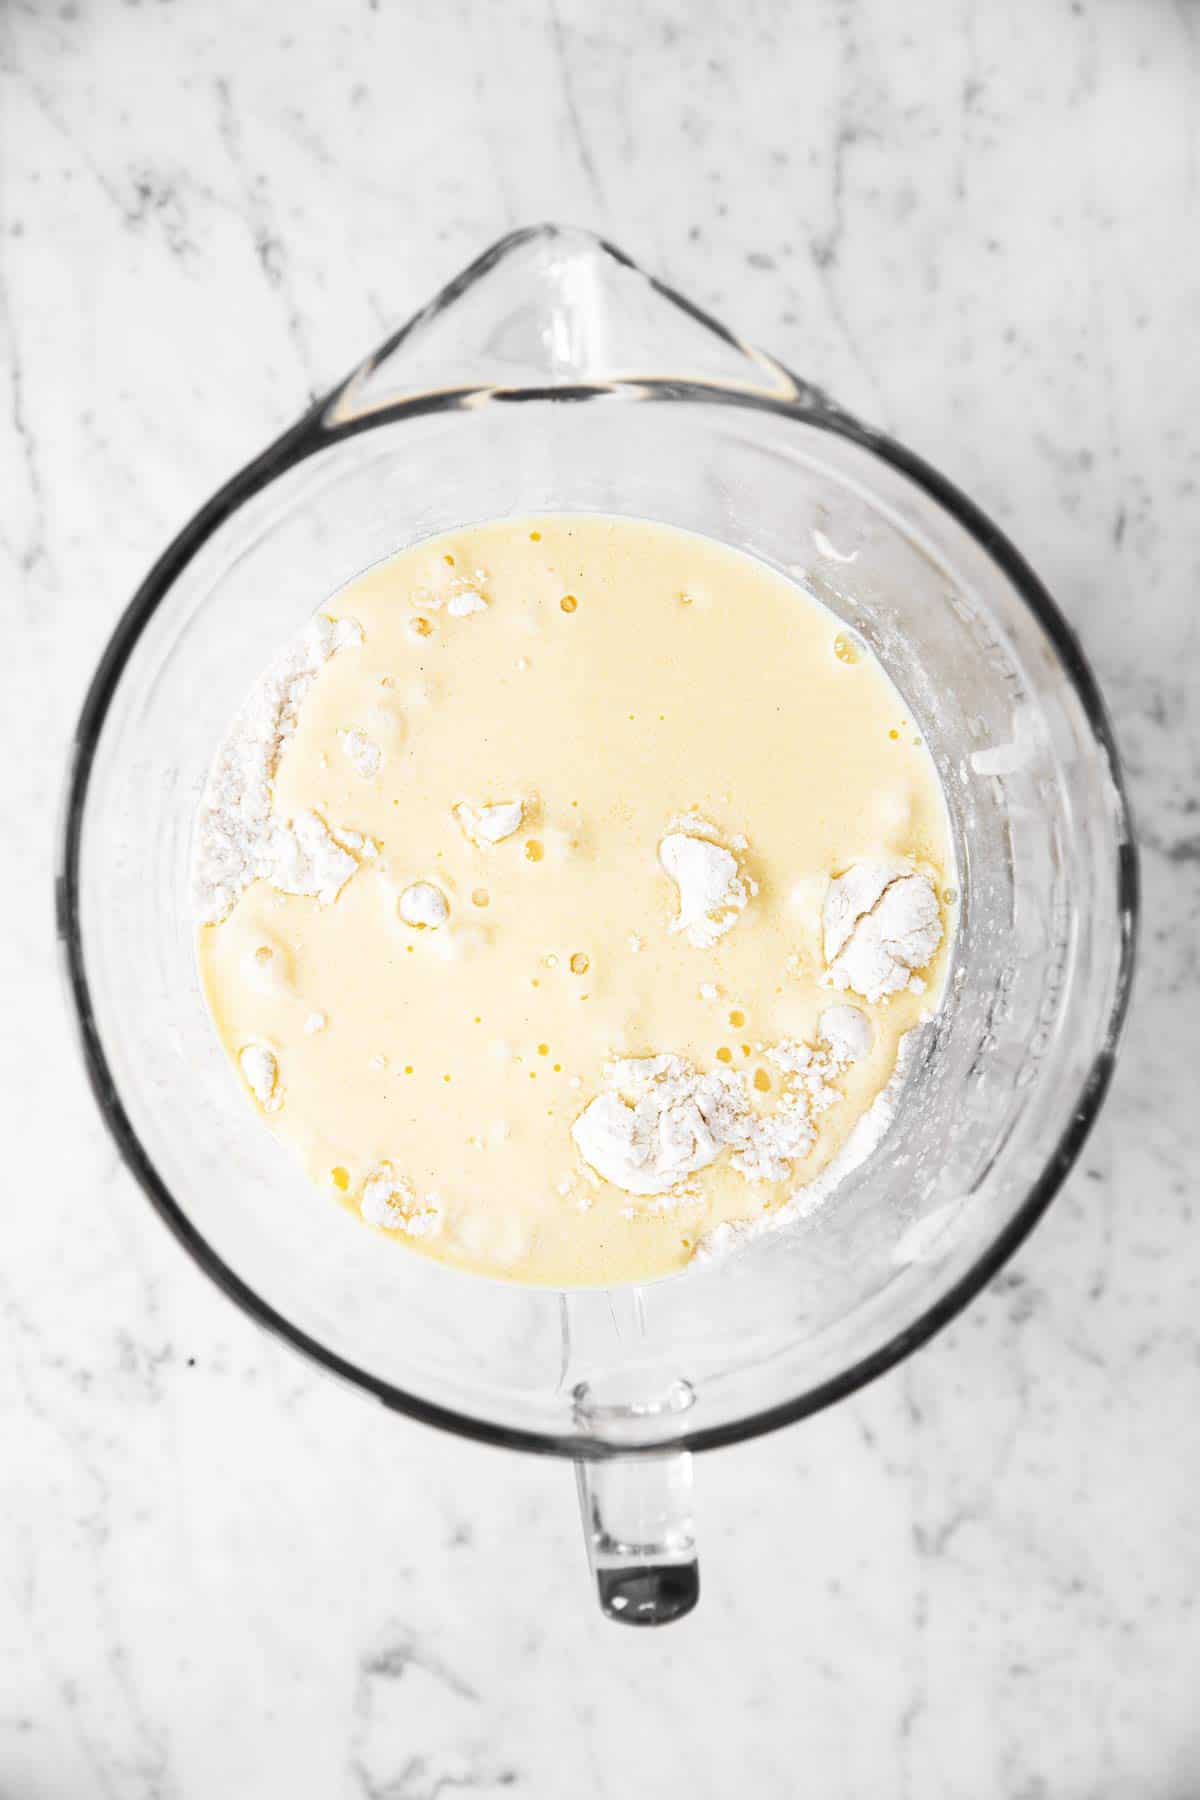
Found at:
(220, 1573)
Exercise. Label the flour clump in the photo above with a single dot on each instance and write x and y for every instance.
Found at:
(881, 925)
(235, 816)
(390, 1201)
(424, 906)
(659, 1120)
(712, 890)
(846, 1032)
(362, 751)
(261, 1072)
(491, 824)
(304, 857)
(655, 1124)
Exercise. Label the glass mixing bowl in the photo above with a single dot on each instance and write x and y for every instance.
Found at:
(554, 375)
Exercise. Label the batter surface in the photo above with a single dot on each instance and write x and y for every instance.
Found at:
(541, 801)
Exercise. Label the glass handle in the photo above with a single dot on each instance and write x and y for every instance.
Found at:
(637, 1524)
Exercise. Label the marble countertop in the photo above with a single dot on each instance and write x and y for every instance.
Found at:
(219, 1572)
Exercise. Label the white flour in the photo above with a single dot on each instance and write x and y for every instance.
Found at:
(847, 1031)
(467, 601)
(491, 824)
(238, 840)
(712, 891)
(461, 595)
(423, 906)
(261, 1072)
(659, 1120)
(390, 1201)
(881, 924)
(362, 751)
(304, 857)
(866, 1137)
(657, 1123)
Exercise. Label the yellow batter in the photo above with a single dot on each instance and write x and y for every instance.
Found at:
(508, 762)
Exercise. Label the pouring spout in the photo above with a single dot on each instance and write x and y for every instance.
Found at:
(554, 309)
